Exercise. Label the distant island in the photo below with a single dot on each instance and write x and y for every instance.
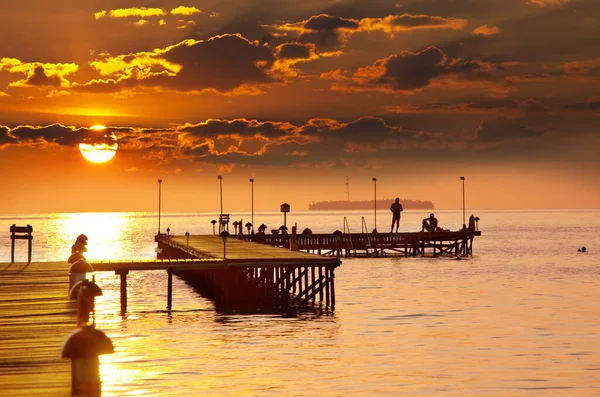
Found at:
(368, 204)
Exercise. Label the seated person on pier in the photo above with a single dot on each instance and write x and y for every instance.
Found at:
(430, 224)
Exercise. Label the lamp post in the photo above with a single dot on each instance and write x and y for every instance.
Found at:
(462, 178)
(375, 202)
(252, 183)
(159, 202)
(220, 178)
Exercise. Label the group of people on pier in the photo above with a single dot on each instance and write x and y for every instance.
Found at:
(429, 224)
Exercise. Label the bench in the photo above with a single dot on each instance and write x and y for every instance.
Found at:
(20, 233)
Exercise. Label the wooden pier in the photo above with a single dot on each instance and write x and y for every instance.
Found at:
(253, 277)
(35, 319)
(455, 243)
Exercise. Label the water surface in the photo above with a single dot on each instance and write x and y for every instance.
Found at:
(520, 318)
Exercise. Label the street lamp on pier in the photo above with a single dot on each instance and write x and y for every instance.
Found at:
(159, 202)
(375, 203)
(220, 178)
(462, 178)
(252, 183)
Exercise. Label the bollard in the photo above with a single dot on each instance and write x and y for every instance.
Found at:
(83, 347)
(75, 257)
(187, 238)
(85, 292)
(78, 247)
(77, 272)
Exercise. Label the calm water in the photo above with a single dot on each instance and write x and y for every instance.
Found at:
(520, 318)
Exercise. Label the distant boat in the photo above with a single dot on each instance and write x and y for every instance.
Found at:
(368, 204)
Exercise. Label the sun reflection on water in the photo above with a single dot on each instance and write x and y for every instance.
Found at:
(106, 232)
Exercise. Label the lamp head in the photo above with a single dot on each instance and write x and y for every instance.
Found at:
(219, 176)
(374, 179)
(462, 178)
(252, 180)
(160, 181)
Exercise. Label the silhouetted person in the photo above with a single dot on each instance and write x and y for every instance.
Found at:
(396, 209)
(430, 224)
(583, 249)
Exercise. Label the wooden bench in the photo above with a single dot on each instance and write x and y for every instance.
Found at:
(223, 222)
(20, 233)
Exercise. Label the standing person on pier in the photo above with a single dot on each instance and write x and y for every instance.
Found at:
(396, 209)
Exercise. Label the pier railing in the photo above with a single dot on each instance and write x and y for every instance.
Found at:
(374, 244)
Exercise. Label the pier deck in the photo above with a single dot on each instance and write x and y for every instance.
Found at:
(253, 277)
(35, 319)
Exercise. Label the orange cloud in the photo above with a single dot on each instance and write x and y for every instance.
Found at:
(183, 10)
(39, 74)
(486, 30)
(141, 12)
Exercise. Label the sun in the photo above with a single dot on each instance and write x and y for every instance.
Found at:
(98, 148)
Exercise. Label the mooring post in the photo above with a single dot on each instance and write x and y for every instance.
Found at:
(123, 274)
(321, 279)
(169, 288)
(332, 288)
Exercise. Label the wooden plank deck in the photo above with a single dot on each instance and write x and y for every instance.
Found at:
(209, 246)
(35, 319)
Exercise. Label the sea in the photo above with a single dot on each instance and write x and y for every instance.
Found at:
(520, 317)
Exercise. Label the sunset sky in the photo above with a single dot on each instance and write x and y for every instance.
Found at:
(299, 95)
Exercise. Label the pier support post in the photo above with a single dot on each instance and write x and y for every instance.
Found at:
(332, 275)
(169, 289)
(123, 274)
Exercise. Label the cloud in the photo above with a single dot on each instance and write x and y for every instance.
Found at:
(479, 107)
(409, 72)
(546, 3)
(38, 74)
(227, 64)
(141, 12)
(505, 129)
(332, 31)
(183, 10)
(288, 55)
(592, 105)
(486, 30)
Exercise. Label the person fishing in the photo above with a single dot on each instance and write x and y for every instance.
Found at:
(396, 209)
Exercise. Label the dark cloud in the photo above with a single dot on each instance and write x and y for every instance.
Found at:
(328, 31)
(294, 51)
(591, 105)
(243, 127)
(411, 71)
(504, 129)
(486, 106)
(57, 134)
(223, 64)
(40, 78)
(4, 137)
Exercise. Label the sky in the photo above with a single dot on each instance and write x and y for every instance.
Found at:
(300, 96)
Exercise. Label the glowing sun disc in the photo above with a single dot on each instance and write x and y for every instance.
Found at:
(98, 152)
